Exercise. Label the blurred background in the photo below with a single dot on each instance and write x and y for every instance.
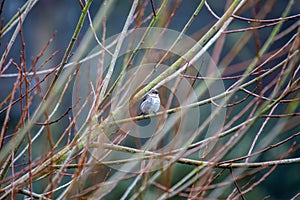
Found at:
(60, 17)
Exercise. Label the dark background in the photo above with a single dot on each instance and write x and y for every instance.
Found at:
(61, 16)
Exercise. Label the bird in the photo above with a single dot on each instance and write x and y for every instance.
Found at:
(150, 102)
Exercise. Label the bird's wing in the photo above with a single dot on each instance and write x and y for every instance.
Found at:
(145, 97)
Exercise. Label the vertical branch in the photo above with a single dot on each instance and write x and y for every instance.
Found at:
(70, 47)
(118, 48)
(28, 8)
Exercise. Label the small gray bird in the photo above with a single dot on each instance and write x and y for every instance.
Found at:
(150, 103)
